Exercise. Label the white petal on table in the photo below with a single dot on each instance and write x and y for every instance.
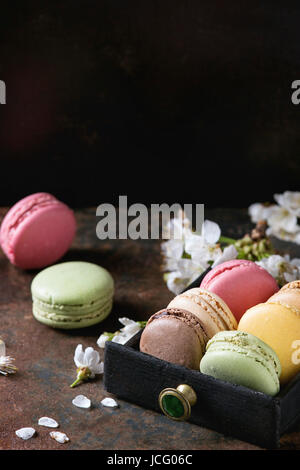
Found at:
(25, 433)
(60, 437)
(48, 422)
(81, 401)
(109, 402)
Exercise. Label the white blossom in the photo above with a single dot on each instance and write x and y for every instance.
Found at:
(230, 252)
(189, 256)
(89, 358)
(259, 212)
(211, 232)
(282, 268)
(102, 340)
(88, 364)
(187, 271)
(6, 362)
(130, 328)
(289, 200)
(281, 218)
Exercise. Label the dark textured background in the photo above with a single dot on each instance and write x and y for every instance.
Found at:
(173, 101)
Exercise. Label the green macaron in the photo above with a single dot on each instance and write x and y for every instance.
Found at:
(74, 294)
(242, 359)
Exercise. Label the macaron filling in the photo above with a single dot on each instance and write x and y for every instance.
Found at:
(71, 314)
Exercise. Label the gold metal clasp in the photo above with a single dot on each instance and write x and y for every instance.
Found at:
(176, 403)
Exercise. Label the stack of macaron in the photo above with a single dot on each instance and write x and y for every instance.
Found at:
(214, 314)
(179, 332)
(35, 233)
(277, 323)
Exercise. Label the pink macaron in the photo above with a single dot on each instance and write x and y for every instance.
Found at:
(241, 284)
(37, 231)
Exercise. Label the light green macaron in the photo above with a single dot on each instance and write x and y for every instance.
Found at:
(242, 359)
(75, 294)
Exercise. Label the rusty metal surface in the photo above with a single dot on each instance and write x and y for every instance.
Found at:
(44, 357)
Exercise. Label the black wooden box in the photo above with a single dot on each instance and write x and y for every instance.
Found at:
(229, 409)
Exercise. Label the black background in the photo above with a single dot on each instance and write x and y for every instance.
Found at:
(163, 101)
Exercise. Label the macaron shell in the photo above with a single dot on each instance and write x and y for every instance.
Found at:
(218, 305)
(186, 317)
(279, 327)
(208, 313)
(241, 284)
(240, 369)
(170, 339)
(72, 294)
(288, 295)
(72, 320)
(37, 231)
(44, 237)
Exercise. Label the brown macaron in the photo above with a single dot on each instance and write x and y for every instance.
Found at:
(175, 335)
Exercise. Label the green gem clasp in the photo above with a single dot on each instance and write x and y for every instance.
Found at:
(172, 406)
(176, 403)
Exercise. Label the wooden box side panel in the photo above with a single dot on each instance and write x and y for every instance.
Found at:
(226, 408)
(290, 405)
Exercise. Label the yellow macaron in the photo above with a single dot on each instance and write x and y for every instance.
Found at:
(278, 325)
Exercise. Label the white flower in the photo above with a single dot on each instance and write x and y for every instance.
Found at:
(211, 232)
(102, 340)
(88, 364)
(289, 200)
(176, 227)
(129, 329)
(186, 273)
(229, 253)
(282, 268)
(259, 212)
(188, 256)
(6, 362)
(200, 251)
(282, 219)
(172, 251)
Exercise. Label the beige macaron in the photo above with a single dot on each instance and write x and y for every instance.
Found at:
(211, 310)
(288, 295)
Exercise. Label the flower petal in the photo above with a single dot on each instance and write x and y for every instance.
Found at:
(81, 401)
(211, 231)
(2, 348)
(79, 356)
(229, 253)
(60, 437)
(48, 422)
(110, 402)
(25, 433)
